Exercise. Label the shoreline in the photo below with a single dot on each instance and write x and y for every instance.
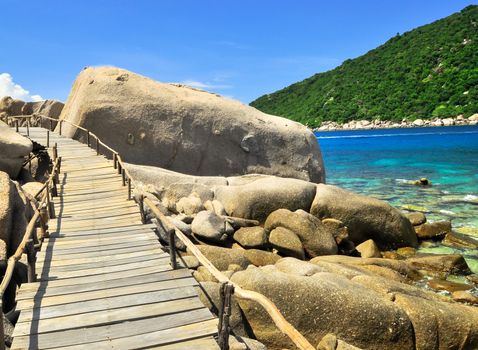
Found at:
(386, 124)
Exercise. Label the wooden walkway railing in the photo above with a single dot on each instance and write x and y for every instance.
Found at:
(228, 288)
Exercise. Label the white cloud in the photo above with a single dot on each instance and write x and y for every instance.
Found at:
(9, 88)
(205, 85)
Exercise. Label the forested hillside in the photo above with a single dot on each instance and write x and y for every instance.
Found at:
(431, 71)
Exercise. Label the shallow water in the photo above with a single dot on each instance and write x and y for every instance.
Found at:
(381, 163)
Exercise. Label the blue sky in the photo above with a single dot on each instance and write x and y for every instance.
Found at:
(241, 49)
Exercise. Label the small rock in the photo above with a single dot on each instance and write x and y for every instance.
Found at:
(260, 258)
(461, 241)
(190, 205)
(190, 261)
(416, 218)
(251, 237)
(451, 263)
(423, 182)
(221, 258)
(449, 286)
(407, 251)
(316, 239)
(286, 242)
(391, 255)
(464, 297)
(435, 230)
(211, 226)
(369, 249)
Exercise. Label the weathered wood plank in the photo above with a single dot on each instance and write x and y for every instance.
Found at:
(52, 273)
(51, 288)
(51, 299)
(125, 329)
(167, 336)
(106, 303)
(104, 317)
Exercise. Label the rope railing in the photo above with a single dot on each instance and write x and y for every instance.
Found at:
(228, 287)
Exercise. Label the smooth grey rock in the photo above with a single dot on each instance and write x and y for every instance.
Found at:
(13, 150)
(251, 237)
(187, 130)
(257, 199)
(314, 236)
(211, 226)
(286, 242)
(365, 217)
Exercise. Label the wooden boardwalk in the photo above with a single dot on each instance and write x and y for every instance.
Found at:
(104, 281)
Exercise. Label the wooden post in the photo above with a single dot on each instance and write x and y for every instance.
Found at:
(227, 289)
(55, 151)
(28, 126)
(120, 168)
(54, 189)
(61, 124)
(97, 146)
(129, 188)
(88, 138)
(2, 334)
(16, 125)
(48, 138)
(51, 125)
(31, 259)
(115, 160)
(141, 209)
(44, 220)
(172, 249)
(123, 177)
(50, 204)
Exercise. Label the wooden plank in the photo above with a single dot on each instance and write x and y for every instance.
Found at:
(52, 273)
(42, 301)
(208, 343)
(167, 336)
(157, 258)
(104, 317)
(99, 246)
(75, 252)
(125, 329)
(106, 303)
(52, 288)
(105, 231)
(99, 258)
(92, 240)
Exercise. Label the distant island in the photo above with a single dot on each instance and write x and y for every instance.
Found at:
(428, 73)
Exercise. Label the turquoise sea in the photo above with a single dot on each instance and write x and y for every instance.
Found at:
(382, 162)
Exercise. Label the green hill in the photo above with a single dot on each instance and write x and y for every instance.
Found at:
(431, 71)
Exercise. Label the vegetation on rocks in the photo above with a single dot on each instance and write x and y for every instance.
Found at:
(428, 72)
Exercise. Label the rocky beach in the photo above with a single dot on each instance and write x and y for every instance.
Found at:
(387, 124)
(249, 190)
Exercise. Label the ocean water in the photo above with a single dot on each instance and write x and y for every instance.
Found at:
(382, 163)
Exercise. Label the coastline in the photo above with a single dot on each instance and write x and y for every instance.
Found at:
(387, 124)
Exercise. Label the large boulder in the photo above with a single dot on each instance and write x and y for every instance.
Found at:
(221, 258)
(365, 217)
(13, 149)
(188, 130)
(211, 226)
(257, 199)
(315, 237)
(6, 212)
(320, 304)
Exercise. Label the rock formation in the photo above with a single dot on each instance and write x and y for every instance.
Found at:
(187, 130)
(365, 217)
(13, 150)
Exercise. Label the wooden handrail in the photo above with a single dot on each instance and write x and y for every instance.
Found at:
(282, 324)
